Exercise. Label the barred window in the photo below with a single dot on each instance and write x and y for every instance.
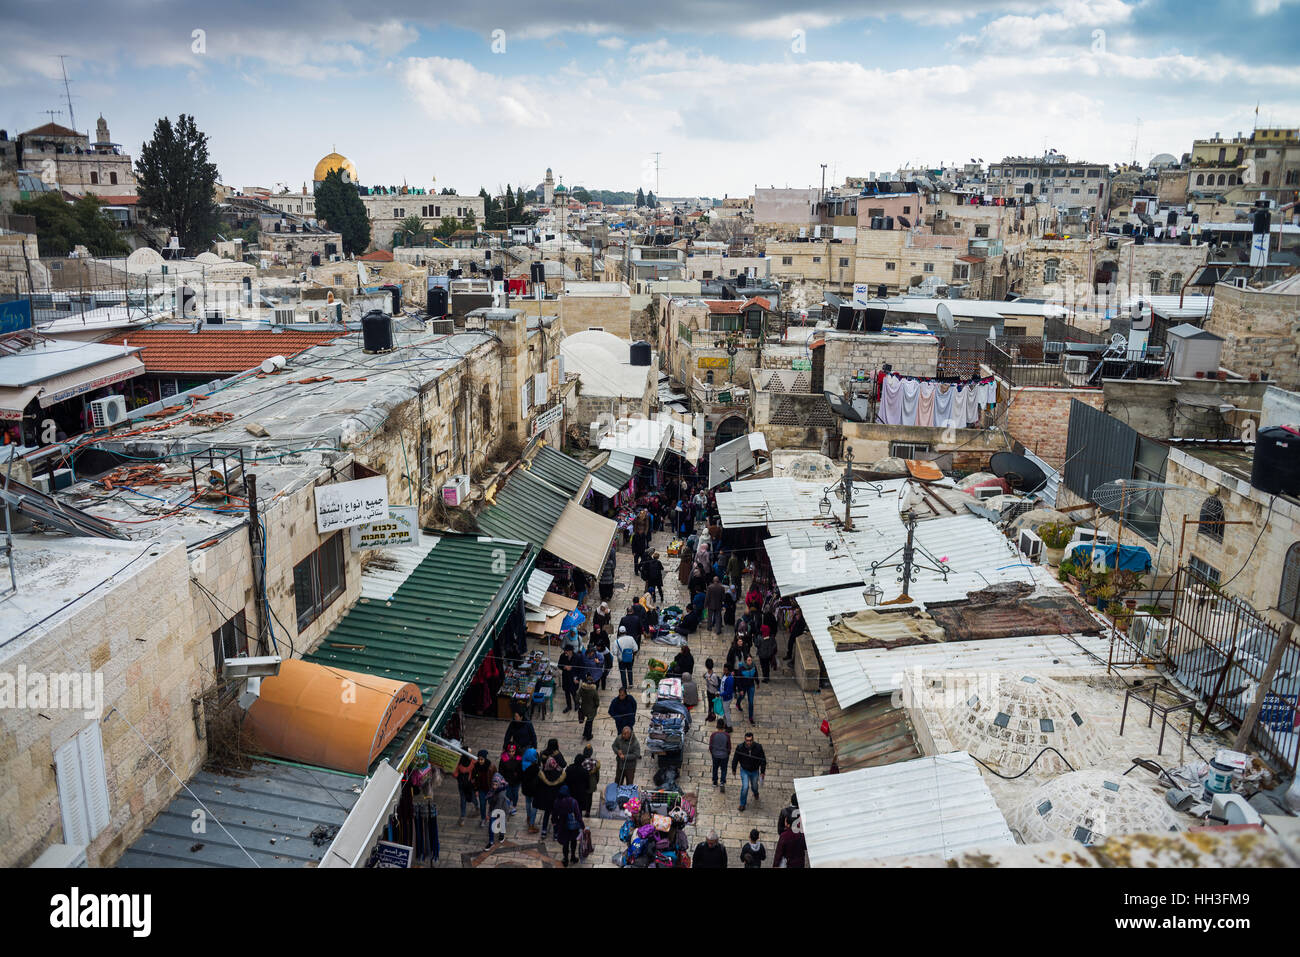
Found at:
(1211, 522)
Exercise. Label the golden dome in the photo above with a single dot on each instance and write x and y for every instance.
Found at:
(332, 162)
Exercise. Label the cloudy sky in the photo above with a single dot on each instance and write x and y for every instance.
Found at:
(730, 94)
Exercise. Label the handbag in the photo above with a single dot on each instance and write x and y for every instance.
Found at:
(584, 844)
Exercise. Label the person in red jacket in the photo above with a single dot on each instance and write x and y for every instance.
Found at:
(792, 848)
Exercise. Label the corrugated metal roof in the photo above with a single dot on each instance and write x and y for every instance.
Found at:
(558, 469)
(858, 675)
(392, 566)
(525, 509)
(935, 805)
(539, 583)
(870, 733)
(421, 629)
(270, 811)
(610, 477)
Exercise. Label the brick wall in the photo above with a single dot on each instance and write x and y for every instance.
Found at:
(1038, 419)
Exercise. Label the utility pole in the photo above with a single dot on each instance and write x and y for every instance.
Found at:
(822, 195)
(848, 490)
(256, 545)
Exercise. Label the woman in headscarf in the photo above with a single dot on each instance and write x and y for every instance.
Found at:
(499, 806)
(528, 784)
(684, 565)
(568, 824)
(577, 779)
(602, 615)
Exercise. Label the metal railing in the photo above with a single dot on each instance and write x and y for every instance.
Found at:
(1218, 645)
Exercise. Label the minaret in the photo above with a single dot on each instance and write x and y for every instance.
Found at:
(101, 132)
(548, 188)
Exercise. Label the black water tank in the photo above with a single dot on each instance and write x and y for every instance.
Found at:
(1261, 221)
(396, 293)
(875, 320)
(889, 222)
(498, 274)
(437, 304)
(537, 272)
(1277, 461)
(376, 332)
(315, 259)
(640, 354)
(882, 292)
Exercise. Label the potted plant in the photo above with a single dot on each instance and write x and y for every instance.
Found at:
(1200, 374)
(1223, 376)
(1055, 536)
(1254, 377)
(1104, 594)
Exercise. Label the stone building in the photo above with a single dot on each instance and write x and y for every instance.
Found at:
(1260, 331)
(1056, 179)
(388, 209)
(67, 158)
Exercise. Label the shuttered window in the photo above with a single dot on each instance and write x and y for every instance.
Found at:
(319, 579)
(83, 786)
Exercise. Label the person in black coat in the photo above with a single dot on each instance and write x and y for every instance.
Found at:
(685, 661)
(521, 734)
(571, 666)
(578, 779)
(633, 623)
(710, 853)
(623, 710)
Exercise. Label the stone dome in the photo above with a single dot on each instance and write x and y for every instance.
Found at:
(1088, 806)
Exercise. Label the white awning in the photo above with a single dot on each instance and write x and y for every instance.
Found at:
(14, 400)
(581, 537)
(81, 381)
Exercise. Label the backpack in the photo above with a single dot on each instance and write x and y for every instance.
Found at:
(571, 823)
(627, 656)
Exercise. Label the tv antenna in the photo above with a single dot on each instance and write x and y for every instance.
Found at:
(67, 91)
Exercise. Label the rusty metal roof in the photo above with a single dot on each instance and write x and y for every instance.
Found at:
(870, 733)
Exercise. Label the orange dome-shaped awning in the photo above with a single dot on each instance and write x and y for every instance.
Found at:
(329, 717)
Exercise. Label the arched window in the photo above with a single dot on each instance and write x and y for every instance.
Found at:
(1200, 179)
(1222, 179)
(1288, 598)
(1264, 180)
(1211, 519)
(1175, 283)
(1050, 269)
(1153, 280)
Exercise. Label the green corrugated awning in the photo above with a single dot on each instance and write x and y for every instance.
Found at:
(525, 509)
(464, 589)
(558, 469)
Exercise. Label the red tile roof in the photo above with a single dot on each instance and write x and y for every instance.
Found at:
(226, 351)
(378, 256)
(735, 306)
(51, 129)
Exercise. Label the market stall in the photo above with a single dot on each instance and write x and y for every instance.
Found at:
(522, 680)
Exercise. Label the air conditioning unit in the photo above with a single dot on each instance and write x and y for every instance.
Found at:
(987, 492)
(1148, 633)
(282, 315)
(1076, 365)
(1030, 545)
(1240, 282)
(313, 315)
(108, 412)
(456, 491)
(1089, 536)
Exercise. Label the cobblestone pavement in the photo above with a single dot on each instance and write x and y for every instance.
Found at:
(787, 724)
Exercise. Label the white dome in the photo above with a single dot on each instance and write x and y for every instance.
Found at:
(618, 349)
(1088, 806)
(209, 258)
(1007, 720)
(144, 259)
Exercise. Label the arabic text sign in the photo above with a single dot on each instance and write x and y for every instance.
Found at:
(388, 854)
(402, 527)
(345, 504)
(713, 362)
(548, 418)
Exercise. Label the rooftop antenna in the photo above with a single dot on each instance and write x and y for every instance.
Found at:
(1137, 130)
(72, 120)
(52, 114)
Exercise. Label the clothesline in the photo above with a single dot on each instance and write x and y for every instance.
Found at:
(908, 400)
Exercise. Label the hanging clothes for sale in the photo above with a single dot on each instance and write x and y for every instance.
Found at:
(911, 398)
(943, 398)
(925, 407)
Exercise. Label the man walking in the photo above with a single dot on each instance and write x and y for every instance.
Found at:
(747, 684)
(713, 602)
(710, 853)
(652, 572)
(792, 848)
(623, 710)
(627, 752)
(588, 704)
(570, 667)
(607, 577)
(625, 649)
(720, 750)
(752, 762)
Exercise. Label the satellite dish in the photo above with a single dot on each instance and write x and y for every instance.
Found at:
(1019, 472)
(944, 315)
(842, 409)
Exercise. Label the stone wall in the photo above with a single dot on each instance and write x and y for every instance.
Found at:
(154, 662)
(1150, 269)
(970, 448)
(1261, 332)
(848, 353)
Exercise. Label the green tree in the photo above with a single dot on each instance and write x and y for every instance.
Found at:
(581, 195)
(176, 181)
(411, 231)
(448, 191)
(339, 205)
(62, 226)
(640, 198)
(448, 226)
(650, 200)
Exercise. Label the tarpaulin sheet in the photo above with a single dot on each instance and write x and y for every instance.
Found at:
(1131, 558)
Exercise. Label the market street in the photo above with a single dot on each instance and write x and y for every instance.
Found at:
(787, 724)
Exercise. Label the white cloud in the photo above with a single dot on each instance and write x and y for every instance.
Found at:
(612, 43)
(454, 91)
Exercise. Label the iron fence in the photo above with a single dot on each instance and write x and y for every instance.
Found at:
(1218, 645)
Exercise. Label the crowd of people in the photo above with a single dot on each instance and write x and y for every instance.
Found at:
(713, 576)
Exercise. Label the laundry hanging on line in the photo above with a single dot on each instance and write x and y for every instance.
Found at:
(907, 400)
